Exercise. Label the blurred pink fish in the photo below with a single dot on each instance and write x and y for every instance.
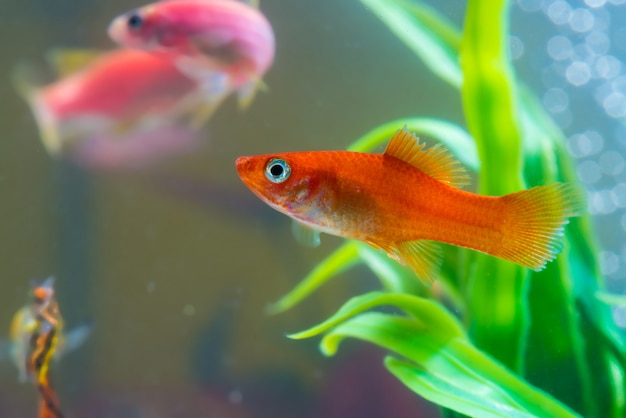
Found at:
(112, 93)
(228, 36)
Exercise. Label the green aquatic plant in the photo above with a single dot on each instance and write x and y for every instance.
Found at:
(491, 338)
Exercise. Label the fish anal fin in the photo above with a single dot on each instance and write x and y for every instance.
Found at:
(436, 161)
(423, 256)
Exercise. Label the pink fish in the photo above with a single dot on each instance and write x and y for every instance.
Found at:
(115, 91)
(211, 35)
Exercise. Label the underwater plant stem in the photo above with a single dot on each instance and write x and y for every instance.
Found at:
(496, 289)
(489, 99)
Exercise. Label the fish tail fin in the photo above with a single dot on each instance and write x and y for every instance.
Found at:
(46, 122)
(533, 231)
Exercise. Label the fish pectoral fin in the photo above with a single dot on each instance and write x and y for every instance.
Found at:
(247, 92)
(423, 256)
(437, 161)
(72, 340)
(5, 349)
(305, 234)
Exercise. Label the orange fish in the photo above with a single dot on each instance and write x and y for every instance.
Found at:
(406, 200)
(44, 339)
(26, 326)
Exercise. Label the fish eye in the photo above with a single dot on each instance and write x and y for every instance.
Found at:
(277, 170)
(135, 21)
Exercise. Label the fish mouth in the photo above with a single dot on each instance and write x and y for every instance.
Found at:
(242, 164)
(116, 28)
(245, 168)
(248, 169)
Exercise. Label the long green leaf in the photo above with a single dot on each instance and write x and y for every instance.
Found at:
(442, 393)
(446, 367)
(429, 314)
(498, 325)
(431, 38)
(341, 259)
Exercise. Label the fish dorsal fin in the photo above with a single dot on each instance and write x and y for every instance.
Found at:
(252, 3)
(436, 161)
(69, 61)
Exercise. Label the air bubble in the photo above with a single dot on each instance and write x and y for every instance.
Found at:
(529, 5)
(559, 12)
(559, 48)
(615, 105)
(619, 197)
(589, 172)
(619, 38)
(611, 163)
(582, 52)
(608, 67)
(609, 262)
(619, 313)
(563, 119)
(516, 47)
(595, 3)
(598, 42)
(555, 100)
(578, 73)
(619, 85)
(585, 144)
(601, 203)
(581, 20)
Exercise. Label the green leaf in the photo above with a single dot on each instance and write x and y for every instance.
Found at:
(442, 393)
(342, 259)
(432, 38)
(442, 365)
(489, 102)
(429, 314)
(611, 299)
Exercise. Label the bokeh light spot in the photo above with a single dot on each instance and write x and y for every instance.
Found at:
(581, 20)
(555, 100)
(559, 12)
(589, 172)
(578, 73)
(611, 163)
(559, 48)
